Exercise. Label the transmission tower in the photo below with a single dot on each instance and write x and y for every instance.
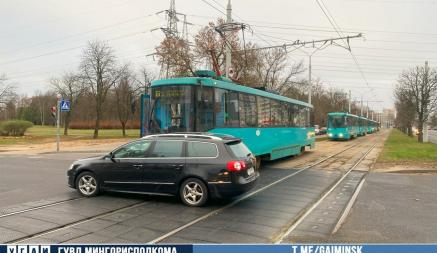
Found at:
(172, 21)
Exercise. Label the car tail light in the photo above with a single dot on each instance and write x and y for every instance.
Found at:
(236, 166)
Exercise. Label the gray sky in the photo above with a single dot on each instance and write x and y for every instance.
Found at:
(44, 38)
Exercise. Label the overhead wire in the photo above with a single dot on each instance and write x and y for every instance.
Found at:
(331, 20)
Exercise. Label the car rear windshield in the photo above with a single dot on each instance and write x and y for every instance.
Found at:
(239, 149)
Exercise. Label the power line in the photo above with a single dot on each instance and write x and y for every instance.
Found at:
(82, 33)
(334, 25)
(66, 50)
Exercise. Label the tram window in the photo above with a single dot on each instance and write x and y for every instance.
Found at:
(248, 112)
(292, 115)
(204, 109)
(285, 117)
(172, 109)
(226, 108)
(336, 121)
(276, 113)
(298, 120)
(264, 118)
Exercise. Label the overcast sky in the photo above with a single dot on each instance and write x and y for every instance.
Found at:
(40, 39)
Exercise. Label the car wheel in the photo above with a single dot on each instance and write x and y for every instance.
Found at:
(87, 184)
(193, 192)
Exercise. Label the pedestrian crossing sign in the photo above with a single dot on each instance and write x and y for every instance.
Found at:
(65, 105)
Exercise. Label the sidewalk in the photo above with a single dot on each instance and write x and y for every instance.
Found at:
(79, 146)
(393, 208)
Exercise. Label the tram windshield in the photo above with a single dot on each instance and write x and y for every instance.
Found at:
(172, 109)
(336, 121)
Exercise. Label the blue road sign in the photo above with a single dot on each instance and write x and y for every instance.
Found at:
(65, 105)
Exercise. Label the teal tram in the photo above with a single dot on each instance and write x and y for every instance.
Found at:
(345, 126)
(272, 126)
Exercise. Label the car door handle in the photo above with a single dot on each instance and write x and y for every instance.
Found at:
(137, 166)
(178, 166)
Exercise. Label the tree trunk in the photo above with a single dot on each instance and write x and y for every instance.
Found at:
(97, 125)
(420, 128)
(123, 128)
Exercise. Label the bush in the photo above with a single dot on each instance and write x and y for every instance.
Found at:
(14, 127)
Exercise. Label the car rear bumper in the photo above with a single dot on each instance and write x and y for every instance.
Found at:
(231, 189)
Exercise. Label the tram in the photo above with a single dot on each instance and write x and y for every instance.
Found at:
(272, 126)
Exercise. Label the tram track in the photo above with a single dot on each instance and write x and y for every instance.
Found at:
(7, 214)
(186, 225)
(323, 196)
(247, 196)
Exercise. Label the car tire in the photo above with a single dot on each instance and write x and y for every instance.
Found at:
(193, 192)
(87, 184)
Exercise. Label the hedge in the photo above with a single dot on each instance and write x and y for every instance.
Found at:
(14, 127)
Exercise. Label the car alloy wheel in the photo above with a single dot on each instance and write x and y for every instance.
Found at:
(87, 184)
(194, 192)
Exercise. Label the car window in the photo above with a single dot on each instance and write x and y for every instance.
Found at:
(167, 149)
(201, 149)
(136, 149)
(239, 149)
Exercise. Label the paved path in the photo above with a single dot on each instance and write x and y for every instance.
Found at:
(393, 208)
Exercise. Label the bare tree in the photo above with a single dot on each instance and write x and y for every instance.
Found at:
(420, 84)
(127, 91)
(406, 115)
(275, 71)
(144, 80)
(99, 72)
(70, 87)
(7, 90)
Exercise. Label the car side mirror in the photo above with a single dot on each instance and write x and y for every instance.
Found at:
(110, 156)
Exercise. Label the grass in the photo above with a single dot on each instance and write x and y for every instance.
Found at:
(41, 134)
(400, 147)
(324, 138)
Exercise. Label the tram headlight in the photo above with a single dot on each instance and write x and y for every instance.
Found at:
(340, 135)
(330, 135)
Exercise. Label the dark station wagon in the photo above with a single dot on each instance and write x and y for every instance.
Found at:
(195, 166)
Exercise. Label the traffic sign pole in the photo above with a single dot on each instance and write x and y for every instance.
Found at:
(58, 119)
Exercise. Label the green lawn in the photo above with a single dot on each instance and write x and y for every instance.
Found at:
(324, 138)
(41, 134)
(399, 147)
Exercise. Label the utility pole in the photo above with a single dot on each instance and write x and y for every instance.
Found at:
(361, 113)
(367, 110)
(425, 125)
(350, 98)
(310, 88)
(58, 120)
(228, 61)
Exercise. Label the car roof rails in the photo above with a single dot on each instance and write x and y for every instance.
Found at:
(185, 135)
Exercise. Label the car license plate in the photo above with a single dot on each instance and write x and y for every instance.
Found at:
(250, 171)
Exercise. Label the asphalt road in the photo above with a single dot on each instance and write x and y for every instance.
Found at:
(31, 178)
(393, 208)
